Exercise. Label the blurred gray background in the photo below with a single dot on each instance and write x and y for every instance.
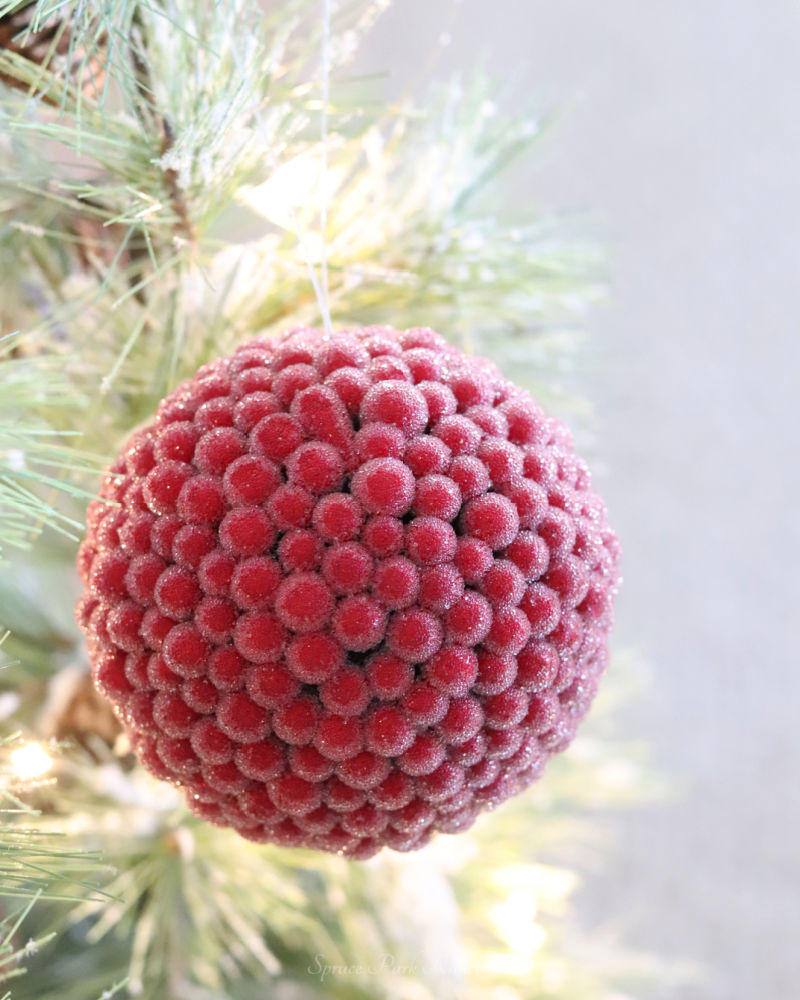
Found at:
(681, 130)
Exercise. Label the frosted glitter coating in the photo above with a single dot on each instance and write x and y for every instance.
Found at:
(355, 590)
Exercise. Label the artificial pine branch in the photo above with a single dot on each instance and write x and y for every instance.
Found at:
(147, 225)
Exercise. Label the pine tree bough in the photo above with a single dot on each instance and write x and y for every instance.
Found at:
(49, 43)
(349, 590)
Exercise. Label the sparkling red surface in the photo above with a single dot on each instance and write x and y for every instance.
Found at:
(352, 589)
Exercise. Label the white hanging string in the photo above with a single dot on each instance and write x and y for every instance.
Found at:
(323, 138)
(320, 284)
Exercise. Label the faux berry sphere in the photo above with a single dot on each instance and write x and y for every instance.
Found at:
(348, 590)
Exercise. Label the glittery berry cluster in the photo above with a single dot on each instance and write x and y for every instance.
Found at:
(351, 589)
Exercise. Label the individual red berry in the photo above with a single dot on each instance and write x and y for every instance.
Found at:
(509, 632)
(558, 531)
(252, 408)
(173, 715)
(502, 459)
(529, 499)
(316, 467)
(442, 784)
(338, 737)
(492, 519)
(303, 602)
(525, 421)
(337, 518)
(347, 568)
(384, 486)
(216, 618)
(246, 531)
(359, 623)
(430, 540)
(460, 435)
(175, 442)
(210, 744)
(414, 635)
(276, 436)
(160, 676)
(452, 670)
(259, 636)
(383, 536)
(379, 441)
(214, 413)
(300, 550)
(388, 676)
(250, 480)
(163, 534)
(296, 722)
(134, 537)
(503, 584)
(397, 403)
(530, 555)
(192, 543)
(270, 685)
(254, 582)
(344, 798)
(163, 484)
(350, 385)
(215, 572)
(496, 671)
(427, 456)
(260, 761)
(291, 380)
(542, 607)
(177, 755)
(440, 587)
(462, 721)
(424, 755)
(490, 420)
(108, 575)
(468, 622)
(123, 625)
(394, 792)
(290, 506)
(323, 416)
(226, 669)
(440, 399)
(294, 795)
(395, 583)
(177, 593)
(217, 449)
(201, 500)
(437, 496)
(346, 693)
(473, 559)
(185, 650)
(413, 818)
(307, 762)
(387, 731)
(505, 710)
(314, 658)
(343, 353)
(109, 676)
(471, 387)
(569, 578)
(424, 704)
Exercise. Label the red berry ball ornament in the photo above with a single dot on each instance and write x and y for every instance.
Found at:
(349, 589)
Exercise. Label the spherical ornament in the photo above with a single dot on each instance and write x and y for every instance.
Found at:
(348, 590)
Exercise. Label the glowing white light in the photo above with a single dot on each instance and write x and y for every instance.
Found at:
(30, 761)
(290, 189)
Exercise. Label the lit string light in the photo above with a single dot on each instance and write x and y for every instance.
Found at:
(30, 761)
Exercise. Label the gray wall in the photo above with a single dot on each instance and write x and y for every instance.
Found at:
(682, 131)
